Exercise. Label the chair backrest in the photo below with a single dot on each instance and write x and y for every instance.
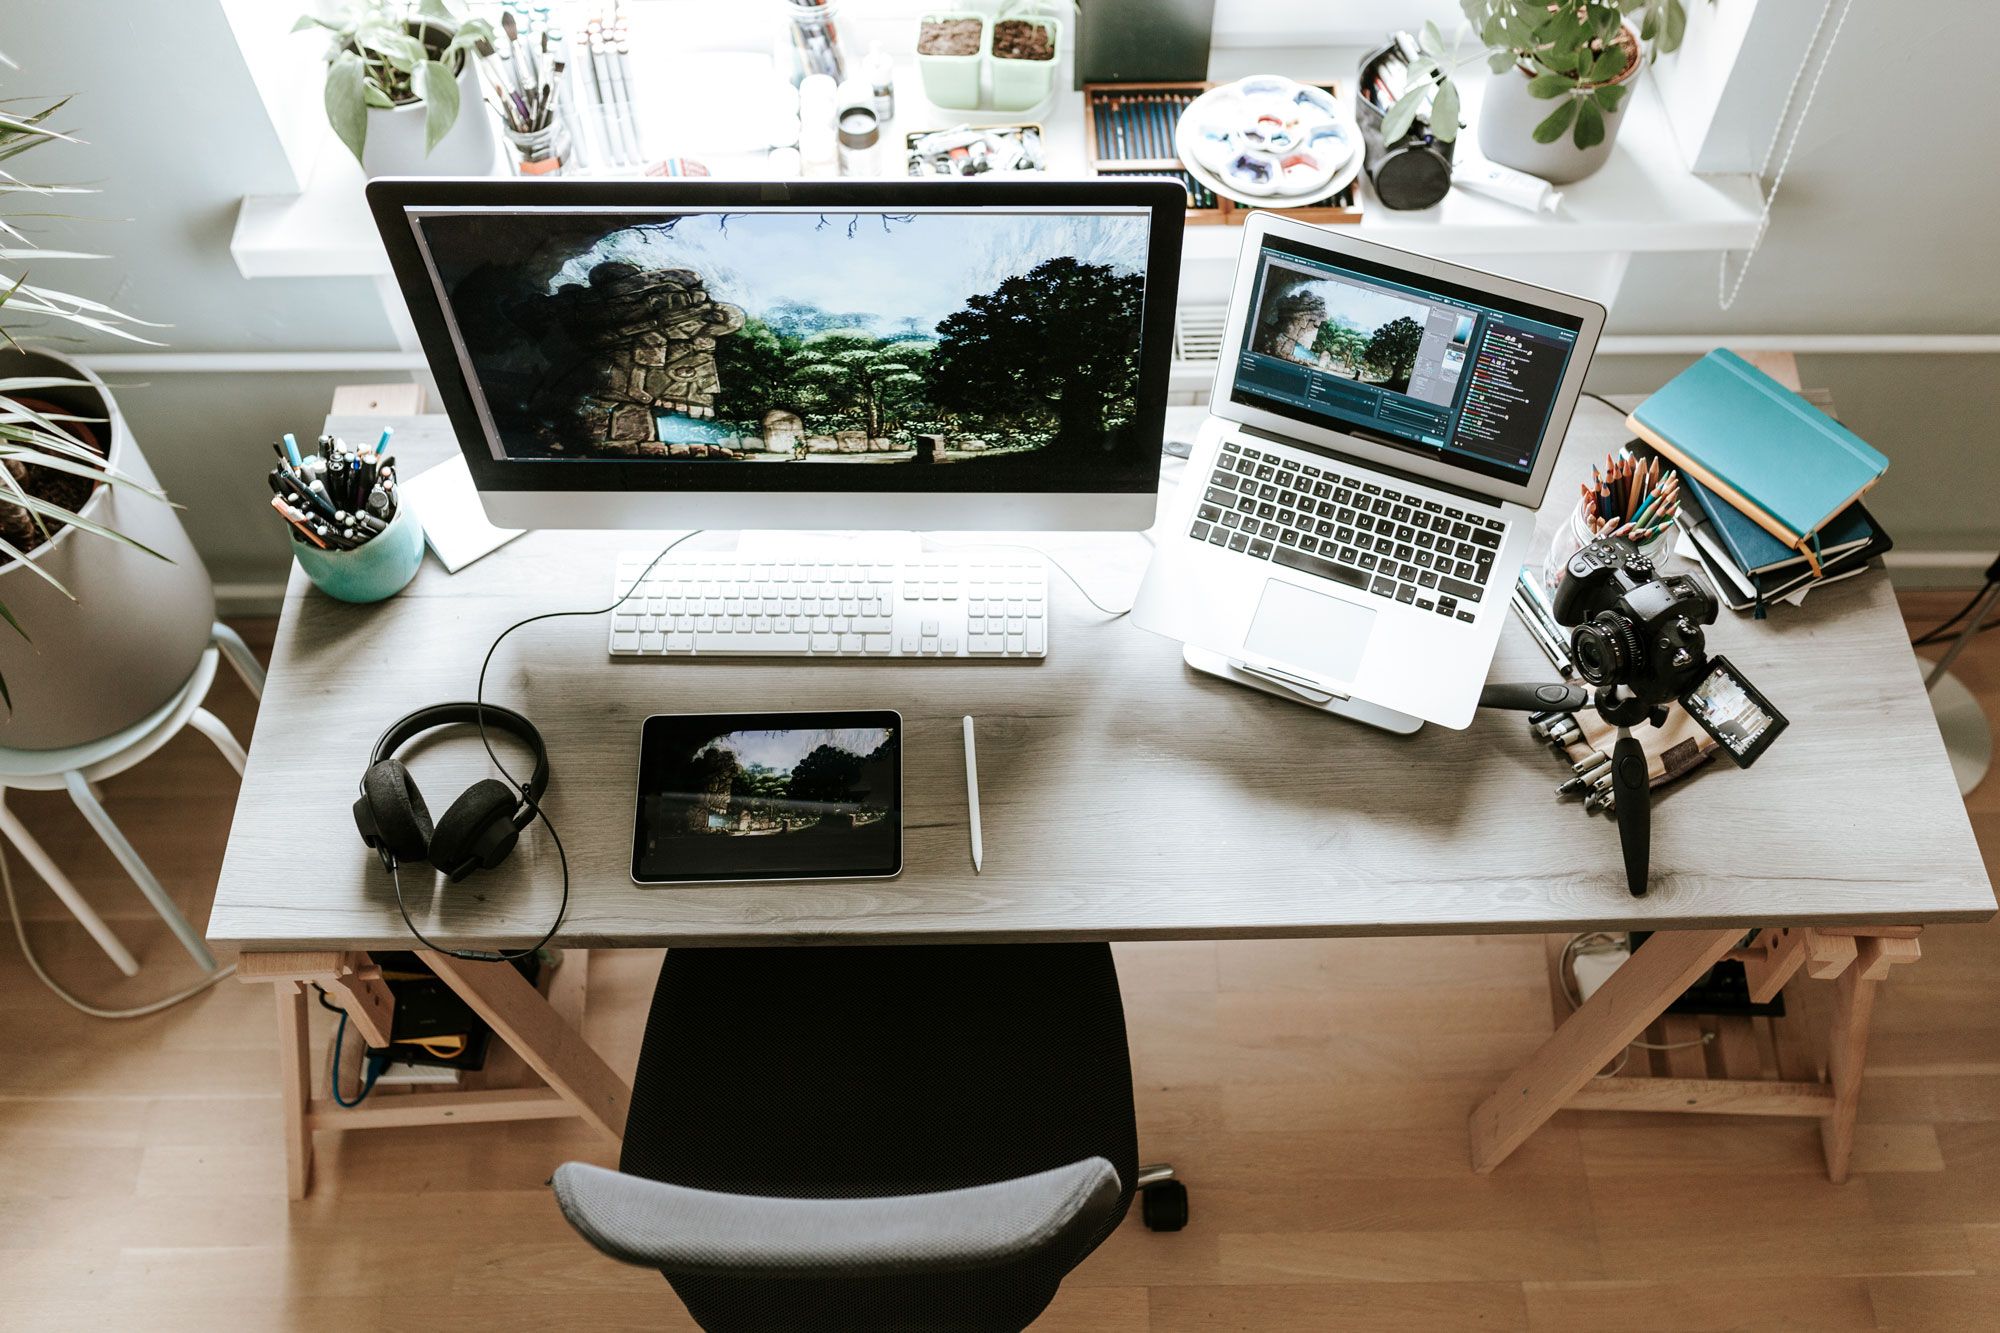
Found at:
(775, 1260)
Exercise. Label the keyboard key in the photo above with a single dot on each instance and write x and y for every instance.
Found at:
(1199, 532)
(1325, 569)
(1261, 550)
(1405, 593)
(1459, 588)
(1486, 537)
(1466, 616)
(1217, 496)
(1238, 541)
(1382, 587)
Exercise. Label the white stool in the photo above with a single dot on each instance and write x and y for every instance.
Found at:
(80, 768)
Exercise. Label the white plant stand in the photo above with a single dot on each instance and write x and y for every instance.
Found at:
(79, 768)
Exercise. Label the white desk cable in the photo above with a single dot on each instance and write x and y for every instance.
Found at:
(1726, 288)
(1599, 942)
(35, 966)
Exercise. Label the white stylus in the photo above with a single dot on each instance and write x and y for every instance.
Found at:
(972, 792)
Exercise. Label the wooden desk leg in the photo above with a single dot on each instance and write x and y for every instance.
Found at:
(295, 1077)
(525, 1020)
(1636, 994)
(1847, 1051)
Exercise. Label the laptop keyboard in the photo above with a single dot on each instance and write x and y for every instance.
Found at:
(1361, 533)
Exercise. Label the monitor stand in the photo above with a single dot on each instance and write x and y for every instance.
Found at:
(1325, 701)
(875, 547)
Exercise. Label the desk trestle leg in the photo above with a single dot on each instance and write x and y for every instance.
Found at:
(1562, 1075)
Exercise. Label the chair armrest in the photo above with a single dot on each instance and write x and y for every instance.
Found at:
(691, 1231)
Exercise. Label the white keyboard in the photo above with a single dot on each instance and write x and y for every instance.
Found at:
(933, 606)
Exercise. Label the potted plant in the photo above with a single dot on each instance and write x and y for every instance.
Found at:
(1023, 48)
(1560, 75)
(106, 606)
(949, 52)
(402, 87)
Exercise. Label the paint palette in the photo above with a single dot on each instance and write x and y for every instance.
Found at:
(1266, 138)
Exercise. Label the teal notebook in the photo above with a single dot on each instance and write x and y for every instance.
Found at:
(1759, 446)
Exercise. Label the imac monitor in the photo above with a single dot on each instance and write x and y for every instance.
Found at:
(860, 354)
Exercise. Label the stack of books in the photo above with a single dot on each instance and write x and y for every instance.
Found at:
(1771, 486)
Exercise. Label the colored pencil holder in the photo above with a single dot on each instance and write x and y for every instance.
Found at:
(377, 569)
(1575, 534)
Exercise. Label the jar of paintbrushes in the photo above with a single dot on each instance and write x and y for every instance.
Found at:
(1631, 495)
(349, 534)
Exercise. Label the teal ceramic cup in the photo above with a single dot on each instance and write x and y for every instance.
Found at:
(379, 568)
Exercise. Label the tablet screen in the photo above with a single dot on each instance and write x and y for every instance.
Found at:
(769, 796)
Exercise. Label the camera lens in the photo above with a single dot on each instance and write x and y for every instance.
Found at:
(1604, 649)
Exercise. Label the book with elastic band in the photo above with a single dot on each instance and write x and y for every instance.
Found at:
(1758, 446)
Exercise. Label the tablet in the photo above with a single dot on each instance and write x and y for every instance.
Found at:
(769, 796)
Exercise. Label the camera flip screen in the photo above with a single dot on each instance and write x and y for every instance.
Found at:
(1730, 709)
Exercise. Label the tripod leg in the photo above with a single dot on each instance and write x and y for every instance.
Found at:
(1634, 794)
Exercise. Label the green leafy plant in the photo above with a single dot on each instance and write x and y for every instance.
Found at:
(48, 469)
(388, 54)
(1573, 54)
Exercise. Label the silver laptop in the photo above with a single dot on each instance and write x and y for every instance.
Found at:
(1362, 495)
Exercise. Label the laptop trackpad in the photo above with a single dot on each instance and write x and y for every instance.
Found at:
(1320, 635)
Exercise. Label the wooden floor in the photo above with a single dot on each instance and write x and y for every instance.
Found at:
(1313, 1094)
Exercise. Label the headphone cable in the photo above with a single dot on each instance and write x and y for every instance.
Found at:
(534, 806)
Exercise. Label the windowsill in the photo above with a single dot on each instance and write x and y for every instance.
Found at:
(1643, 200)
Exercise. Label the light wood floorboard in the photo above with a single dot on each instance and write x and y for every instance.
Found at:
(1313, 1093)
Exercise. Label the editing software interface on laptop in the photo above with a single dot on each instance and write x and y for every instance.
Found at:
(804, 347)
(1440, 369)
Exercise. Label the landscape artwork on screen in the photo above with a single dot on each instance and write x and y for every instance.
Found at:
(792, 800)
(791, 337)
(1350, 329)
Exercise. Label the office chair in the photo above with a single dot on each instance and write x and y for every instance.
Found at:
(879, 1137)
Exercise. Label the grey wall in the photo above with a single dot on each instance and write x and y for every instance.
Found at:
(1884, 226)
(175, 137)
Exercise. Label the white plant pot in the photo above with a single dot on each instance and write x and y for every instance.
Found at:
(1507, 119)
(395, 143)
(128, 643)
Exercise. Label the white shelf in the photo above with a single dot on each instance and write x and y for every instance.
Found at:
(1643, 200)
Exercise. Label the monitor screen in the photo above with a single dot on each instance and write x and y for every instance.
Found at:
(1459, 376)
(985, 347)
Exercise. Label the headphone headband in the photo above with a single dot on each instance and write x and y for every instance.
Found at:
(411, 725)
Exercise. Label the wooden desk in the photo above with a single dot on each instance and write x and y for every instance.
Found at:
(1123, 795)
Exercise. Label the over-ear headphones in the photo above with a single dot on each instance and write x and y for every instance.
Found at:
(480, 827)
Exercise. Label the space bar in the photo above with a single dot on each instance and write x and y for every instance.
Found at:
(1326, 569)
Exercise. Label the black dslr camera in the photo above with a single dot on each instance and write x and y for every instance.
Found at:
(1633, 626)
(1637, 636)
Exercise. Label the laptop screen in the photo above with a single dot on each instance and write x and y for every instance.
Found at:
(1463, 377)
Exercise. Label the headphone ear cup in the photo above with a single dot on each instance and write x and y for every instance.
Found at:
(402, 820)
(478, 831)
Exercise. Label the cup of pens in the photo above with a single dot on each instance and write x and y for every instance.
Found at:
(349, 534)
(1629, 495)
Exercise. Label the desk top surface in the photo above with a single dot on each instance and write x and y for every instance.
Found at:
(1123, 795)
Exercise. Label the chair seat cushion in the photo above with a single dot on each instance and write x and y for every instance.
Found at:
(687, 1231)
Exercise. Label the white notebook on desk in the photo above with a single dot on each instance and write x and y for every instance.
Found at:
(454, 521)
